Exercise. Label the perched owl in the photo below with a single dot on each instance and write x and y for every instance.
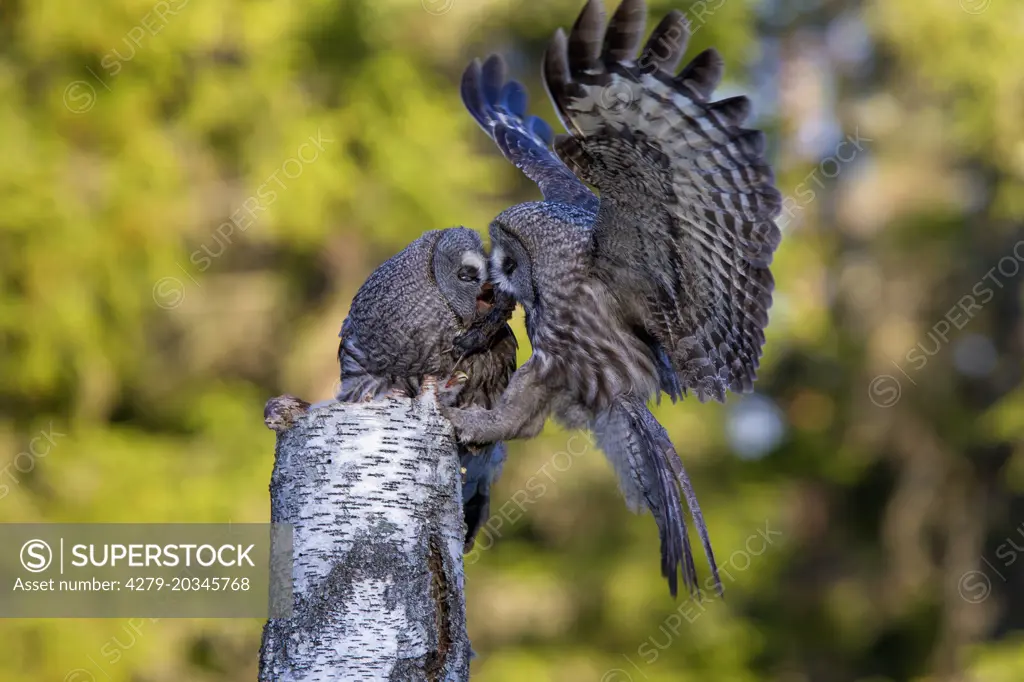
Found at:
(403, 325)
(662, 283)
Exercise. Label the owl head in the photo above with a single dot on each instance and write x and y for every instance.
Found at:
(458, 265)
(537, 242)
(406, 315)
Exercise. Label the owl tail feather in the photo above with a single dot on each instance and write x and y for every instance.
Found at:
(669, 455)
(651, 475)
(481, 468)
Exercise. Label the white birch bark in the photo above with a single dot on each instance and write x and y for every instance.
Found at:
(373, 492)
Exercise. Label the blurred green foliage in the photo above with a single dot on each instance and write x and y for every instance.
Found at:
(191, 192)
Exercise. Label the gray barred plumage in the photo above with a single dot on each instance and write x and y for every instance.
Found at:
(660, 285)
(404, 324)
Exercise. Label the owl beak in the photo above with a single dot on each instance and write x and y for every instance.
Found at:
(485, 301)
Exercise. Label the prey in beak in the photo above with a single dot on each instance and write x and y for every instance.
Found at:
(485, 301)
(493, 311)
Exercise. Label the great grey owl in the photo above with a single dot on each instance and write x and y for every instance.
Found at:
(402, 326)
(662, 283)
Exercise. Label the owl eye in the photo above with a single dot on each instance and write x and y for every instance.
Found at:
(508, 266)
(468, 273)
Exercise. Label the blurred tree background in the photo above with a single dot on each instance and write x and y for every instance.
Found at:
(191, 192)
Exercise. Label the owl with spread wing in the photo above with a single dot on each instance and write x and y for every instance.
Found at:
(660, 282)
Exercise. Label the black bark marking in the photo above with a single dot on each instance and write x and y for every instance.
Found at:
(439, 594)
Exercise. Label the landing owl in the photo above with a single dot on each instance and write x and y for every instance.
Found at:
(660, 285)
(403, 326)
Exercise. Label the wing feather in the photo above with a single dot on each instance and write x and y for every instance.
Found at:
(625, 31)
(500, 107)
(667, 43)
(685, 191)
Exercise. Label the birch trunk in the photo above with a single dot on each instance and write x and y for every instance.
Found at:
(373, 493)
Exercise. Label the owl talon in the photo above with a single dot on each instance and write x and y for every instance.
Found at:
(463, 422)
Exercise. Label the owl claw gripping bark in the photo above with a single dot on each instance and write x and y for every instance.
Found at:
(464, 421)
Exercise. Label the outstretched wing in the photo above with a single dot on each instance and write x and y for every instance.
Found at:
(686, 220)
(499, 106)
